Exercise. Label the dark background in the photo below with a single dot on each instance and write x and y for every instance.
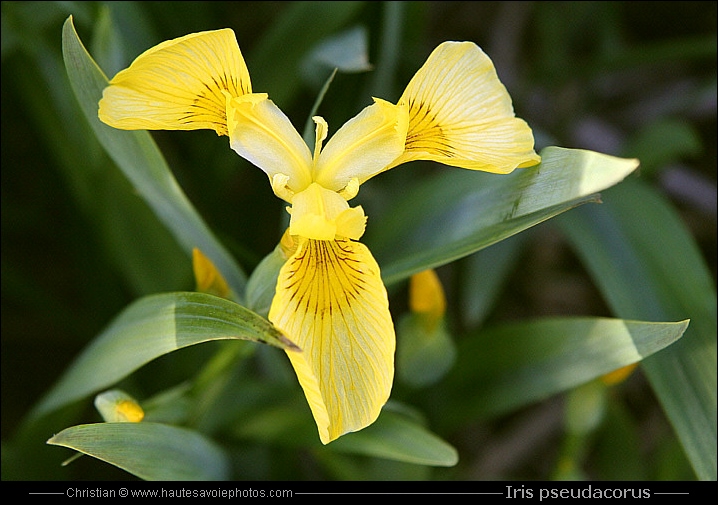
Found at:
(606, 76)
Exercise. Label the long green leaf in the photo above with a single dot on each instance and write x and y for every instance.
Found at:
(140, 160)
(461, 211)
(513, 365)
(151, 327)
(150, 451)
(282, 419)
(648, 266)
(397, 437)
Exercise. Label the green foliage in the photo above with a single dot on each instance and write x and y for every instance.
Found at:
(99, 226)
(148, 450)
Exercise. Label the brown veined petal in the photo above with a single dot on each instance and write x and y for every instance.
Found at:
(332, 303)
(461, 115)
(180, 84)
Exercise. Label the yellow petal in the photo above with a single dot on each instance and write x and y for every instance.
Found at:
(179, 84)
(116, 406)
(363, 147)
(461, 115)
(321, 214)
(320, 135)
(618, 375)
(130, 411)
(426, 296)
(207, 278)
(331, 302)
(263, 135)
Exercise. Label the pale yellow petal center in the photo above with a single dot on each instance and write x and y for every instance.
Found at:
(322, 214)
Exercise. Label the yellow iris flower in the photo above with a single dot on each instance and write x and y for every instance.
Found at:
(329, 299)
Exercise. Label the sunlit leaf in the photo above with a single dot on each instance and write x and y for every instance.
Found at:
(512, 365)
(648, 266)
(150, 451)
(151, 327)
(460, 212)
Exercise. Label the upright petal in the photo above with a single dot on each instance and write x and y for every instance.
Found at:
(461, 115)
(331, 301)
(262, 134)
(363, 147)
(179, 84)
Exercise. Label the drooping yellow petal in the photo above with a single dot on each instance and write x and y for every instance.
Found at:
(179, 84)
(263, 135)
(362, 147)
(331, 302)
(322, 214)
(461, 115)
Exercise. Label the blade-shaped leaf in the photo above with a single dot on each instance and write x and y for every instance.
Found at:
(151, 451)
(151, 327)
(396, 437)
(461, 211)
(648, 266)
(513, 365)
(136, 154)
(285, 421)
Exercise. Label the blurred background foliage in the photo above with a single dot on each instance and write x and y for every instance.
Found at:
(632, 79)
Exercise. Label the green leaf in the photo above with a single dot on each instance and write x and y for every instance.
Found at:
(460, 211)
(424, 352)
(282, 418)
(151, 327)
(150, 451)
(512, 365)
(648, 266)
(347, 52)
(263, 281)
(274, 62)
(394, 436)
(136, 154)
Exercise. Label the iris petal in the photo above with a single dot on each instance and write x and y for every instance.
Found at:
(461, 115)
(179, 84)
(322, 214)
(263, 135)
(363, 146)
(331, 301)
